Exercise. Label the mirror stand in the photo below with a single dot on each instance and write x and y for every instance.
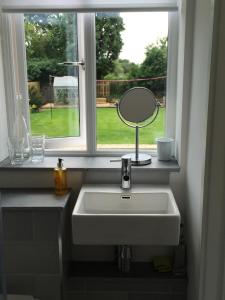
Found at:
(138, 108)
(138, 159)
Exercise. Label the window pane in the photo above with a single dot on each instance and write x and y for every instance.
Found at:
(51, 38)
(131, 51)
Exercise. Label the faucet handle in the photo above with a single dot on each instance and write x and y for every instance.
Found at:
(126, 159)
(126, 162)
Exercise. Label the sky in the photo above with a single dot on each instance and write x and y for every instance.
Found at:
(141, 30)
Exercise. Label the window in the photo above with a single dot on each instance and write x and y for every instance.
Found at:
(53, 56)
(131, 50)
(73, 104)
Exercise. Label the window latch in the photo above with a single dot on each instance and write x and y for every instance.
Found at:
(73, 64)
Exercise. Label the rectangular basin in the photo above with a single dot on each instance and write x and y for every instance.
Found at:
(108, 215)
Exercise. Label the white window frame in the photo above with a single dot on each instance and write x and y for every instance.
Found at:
(18, 75)
(86, 29)
(55, 145)
(171, 89)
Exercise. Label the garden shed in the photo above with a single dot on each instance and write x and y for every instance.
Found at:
(66, 90)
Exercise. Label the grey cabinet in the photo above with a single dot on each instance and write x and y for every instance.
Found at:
(36, 242)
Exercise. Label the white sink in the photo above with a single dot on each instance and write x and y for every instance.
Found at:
(143, 215)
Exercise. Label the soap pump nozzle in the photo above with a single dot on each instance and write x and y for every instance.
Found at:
(60, 163)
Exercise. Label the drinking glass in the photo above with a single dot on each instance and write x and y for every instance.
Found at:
(16, 150)
(37, 148)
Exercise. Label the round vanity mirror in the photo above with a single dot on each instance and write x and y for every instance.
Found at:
(138, 108)
(137, 105)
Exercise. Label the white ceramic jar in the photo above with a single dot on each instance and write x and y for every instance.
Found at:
(164, 148)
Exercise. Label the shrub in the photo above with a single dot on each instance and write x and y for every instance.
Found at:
(36, 100)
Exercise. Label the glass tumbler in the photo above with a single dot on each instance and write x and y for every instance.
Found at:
(37, 148)
(16, 150)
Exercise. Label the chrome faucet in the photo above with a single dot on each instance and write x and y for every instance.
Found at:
(126, 173)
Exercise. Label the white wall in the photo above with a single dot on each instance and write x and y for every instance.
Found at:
(212, 285)
(186, 24)
(197, 131)
(3, 122)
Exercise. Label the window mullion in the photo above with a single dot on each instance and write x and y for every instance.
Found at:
(82, 90)
(90, 81)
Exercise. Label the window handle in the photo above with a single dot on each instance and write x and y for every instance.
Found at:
(73, 64)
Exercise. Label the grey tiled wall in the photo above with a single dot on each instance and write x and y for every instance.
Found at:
(31, 253)
(42, 287)
(126, 289)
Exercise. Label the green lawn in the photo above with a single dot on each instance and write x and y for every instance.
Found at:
(110, 129)
(62, 122)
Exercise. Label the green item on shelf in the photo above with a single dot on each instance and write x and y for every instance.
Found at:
(162, 263)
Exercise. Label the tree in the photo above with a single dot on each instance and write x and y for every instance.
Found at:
(50, 40)
(123, 69)
(108, 43)
(155, 65)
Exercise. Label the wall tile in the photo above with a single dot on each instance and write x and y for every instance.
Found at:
(17, 226)
(155, 296)
(106, 295)
(19, 284)
(31, 258)
(46, 226)
(120, 296)
(179, 286)
(75, 296)
(96, 296)
(48, 288)
(76, 284)
(129, 284)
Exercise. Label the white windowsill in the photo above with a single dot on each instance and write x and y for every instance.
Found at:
(90, 163)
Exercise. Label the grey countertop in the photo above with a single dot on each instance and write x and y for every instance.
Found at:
(32, 199)
(91, 163)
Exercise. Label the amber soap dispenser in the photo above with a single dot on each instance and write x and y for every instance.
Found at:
(60, 178)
